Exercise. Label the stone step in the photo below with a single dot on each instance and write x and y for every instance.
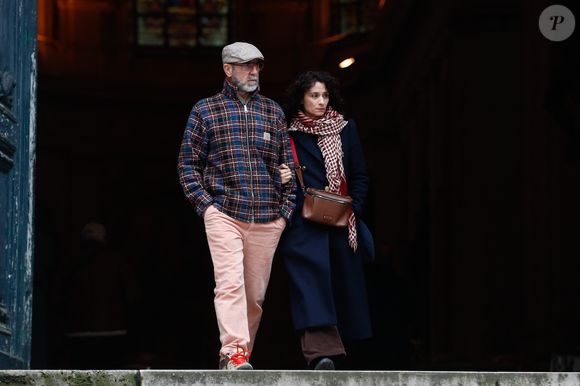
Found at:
(280, 378)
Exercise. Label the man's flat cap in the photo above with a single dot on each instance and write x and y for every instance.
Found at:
(240, 52)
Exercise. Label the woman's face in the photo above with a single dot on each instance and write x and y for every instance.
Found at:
(315, 101)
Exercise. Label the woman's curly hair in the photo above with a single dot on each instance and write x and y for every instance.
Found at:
(295, 92)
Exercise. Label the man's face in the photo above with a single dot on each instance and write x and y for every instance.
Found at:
(245, 76)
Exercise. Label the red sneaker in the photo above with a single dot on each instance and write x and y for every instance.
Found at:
(236, 361)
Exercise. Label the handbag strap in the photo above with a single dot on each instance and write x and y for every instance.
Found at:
(297, 166)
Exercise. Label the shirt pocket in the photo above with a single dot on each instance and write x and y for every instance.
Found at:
(266, 138)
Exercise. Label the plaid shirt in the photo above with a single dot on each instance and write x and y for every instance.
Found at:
(230, 155)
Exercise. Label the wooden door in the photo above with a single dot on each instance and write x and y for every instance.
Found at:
(17, 137)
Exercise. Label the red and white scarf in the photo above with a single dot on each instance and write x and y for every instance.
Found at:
(327, 129)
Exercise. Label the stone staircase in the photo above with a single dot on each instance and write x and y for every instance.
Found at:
(280, 378)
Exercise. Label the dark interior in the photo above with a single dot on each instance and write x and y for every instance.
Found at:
(470, 121)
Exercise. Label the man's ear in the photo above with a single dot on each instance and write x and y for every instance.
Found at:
(228, 69)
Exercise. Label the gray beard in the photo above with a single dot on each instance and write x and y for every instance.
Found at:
(247, 88)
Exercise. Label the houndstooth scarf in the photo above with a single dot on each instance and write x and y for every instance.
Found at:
(327, 129)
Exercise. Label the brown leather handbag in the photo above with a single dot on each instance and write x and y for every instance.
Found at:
(321, 206)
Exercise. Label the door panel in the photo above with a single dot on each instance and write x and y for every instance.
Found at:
(17, 124)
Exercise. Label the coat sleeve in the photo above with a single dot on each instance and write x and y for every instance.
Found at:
(357, 175)
(288, 189)
(191, 163)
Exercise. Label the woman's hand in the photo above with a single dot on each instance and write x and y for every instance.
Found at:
(285, 173)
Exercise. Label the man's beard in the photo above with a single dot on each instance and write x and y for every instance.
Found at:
(244, 86)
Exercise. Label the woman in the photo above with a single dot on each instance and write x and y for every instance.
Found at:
(327, 287)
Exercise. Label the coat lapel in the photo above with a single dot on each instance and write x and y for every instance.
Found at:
(309, 148)
(308, 145)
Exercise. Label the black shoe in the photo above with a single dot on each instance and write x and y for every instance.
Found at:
(324, 363)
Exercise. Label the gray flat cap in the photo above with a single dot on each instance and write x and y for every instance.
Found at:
(240, 52)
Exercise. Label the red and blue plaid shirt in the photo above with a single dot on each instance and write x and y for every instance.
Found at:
(230, 155)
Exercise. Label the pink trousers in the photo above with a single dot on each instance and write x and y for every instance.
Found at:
(242, 256)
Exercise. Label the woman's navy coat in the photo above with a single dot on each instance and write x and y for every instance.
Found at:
(327, 285)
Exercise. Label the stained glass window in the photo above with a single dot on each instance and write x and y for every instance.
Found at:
(352, 16)
(182, 23)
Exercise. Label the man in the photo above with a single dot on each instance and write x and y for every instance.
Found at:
(233, 144)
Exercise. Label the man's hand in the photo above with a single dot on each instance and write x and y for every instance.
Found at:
(285, 173)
